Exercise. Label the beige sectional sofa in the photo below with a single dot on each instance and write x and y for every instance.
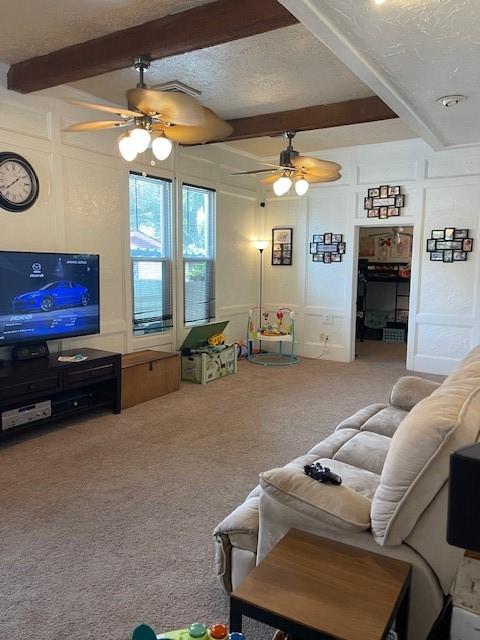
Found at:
(393, 459)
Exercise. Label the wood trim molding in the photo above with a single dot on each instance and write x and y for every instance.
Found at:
(320, 116)
(204, 26)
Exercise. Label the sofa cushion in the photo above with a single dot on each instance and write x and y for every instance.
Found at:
(366, 450)
(417, 463)
(385, 421)
(345, 507)
(409, 390)
(358, 419)
(328, 447)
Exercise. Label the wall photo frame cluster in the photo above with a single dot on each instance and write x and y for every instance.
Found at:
(449, 245)
(384, 202)
(327, 247)
(282, 246)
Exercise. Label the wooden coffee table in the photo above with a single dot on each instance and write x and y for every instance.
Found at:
(316, 588)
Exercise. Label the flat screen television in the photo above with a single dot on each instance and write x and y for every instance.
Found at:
(47, 296)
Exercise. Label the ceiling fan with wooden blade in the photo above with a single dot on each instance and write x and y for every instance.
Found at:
(156, 118)
(213, 128)
(293, 167)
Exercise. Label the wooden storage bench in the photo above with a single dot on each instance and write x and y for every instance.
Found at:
(148, 374)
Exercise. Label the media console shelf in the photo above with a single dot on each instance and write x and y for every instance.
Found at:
(46, 389)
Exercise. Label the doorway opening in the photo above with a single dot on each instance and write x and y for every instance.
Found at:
(383, 293)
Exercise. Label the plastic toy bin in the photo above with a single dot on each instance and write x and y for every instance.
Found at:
(208, 366)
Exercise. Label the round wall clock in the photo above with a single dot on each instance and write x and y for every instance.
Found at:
(19, 186)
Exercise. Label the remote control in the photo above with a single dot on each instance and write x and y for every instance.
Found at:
(323, 474)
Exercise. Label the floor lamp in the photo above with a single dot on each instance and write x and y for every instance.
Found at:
(261, 245)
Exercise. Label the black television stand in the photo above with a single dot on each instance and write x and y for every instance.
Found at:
(46, 389)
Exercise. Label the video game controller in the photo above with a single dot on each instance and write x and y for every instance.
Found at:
(196, 631)
(323, 474)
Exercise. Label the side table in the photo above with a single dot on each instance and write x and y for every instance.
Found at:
(318, 589)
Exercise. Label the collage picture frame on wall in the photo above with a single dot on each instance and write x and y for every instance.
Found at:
(327, 247)
(449, 245)
(384, 202)
(282, 246)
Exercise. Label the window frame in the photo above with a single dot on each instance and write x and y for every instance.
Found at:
(210, 260)
(167, 262)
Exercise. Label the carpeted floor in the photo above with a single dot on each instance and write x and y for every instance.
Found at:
(106, 521)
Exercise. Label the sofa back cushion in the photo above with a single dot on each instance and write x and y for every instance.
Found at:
(417, 463)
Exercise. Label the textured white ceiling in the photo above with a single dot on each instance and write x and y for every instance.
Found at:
(410, 52)
(283, 69)
(33, 27)
(333, 138)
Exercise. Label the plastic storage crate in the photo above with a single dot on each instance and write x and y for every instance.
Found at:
(393, 335)
(206, 365)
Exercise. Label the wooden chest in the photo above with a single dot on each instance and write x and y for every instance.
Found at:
(148, 374)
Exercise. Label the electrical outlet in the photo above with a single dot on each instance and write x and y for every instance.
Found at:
(323, 337)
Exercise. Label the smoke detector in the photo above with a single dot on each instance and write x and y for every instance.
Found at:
(451, 101)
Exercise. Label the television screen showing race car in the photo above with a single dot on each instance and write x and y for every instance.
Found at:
(47, 296)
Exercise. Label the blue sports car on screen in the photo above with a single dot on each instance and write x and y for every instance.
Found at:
(55, 295)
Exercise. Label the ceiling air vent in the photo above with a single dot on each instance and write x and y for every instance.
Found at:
(176, 85)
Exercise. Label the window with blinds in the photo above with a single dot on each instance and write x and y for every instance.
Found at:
(198, 254)
(151, 253)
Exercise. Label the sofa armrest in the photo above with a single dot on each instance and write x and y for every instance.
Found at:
(239, 531)
(409, 390)
(338, 507)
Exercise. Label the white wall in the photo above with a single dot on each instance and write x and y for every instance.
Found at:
(442, 189)
(83, 207)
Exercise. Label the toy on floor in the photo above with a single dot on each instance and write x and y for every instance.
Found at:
(196, 630)
(276, 326)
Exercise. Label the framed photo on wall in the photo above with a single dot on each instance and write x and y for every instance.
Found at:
(282, 246)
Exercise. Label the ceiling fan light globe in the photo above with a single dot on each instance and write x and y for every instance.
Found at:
(141, 139)
(127, 148)
(282, 186)
(301, 187)
(161, 147)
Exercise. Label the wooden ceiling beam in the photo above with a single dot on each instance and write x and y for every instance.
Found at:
(320, 116)
(204, 26)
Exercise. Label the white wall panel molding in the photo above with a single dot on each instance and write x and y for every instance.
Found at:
(185, 155)
(276, 305)
(25, 121)
(87, 155)
(165, 346)
(274, 198)
(113, 326)
(457, 181)
(390, 173)
(150, 341)
(243, 194)
(236, 309)
(445, 320)
(465, 162)
(311, 310)
(434, 364)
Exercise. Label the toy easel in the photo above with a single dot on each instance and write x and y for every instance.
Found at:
(273, 326)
